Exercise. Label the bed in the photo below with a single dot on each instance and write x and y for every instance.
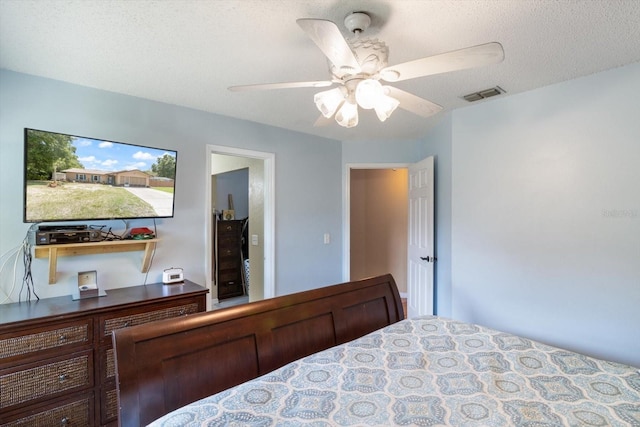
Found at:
(164, 365)
(422, 371)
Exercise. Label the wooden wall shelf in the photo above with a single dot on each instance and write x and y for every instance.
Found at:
(91, 248)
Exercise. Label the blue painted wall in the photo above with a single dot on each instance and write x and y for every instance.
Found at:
(546, 214)
(537, 200)
(307, 182)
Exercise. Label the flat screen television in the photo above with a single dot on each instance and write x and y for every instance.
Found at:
(75, 178)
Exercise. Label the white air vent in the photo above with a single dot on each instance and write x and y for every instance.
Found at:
(487, 93)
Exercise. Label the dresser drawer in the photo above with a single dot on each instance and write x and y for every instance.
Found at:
(231, 260)
(109, 396)
(228, 228)
(131, 318)
(77, 412)
(48, 378)
(229, 241)
(107, 364)
(59, 338)
(109, 408)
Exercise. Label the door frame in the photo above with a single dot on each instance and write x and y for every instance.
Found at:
(346, 210)
(268, 239)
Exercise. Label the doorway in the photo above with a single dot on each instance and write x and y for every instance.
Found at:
(350, 221)
(379, 224)
(261, 192)
(417, 197)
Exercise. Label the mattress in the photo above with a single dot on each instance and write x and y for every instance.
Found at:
(429, 371)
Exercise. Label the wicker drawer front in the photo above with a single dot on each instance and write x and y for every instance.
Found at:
(110, 325)
(110, 362)
(110, 410)
(107, 364)
(44, 380)
(71, 414)
(61, 336)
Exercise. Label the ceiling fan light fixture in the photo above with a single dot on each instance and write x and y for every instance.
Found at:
(329, 101)
(385, 106)
(347, 115)
(368, 92)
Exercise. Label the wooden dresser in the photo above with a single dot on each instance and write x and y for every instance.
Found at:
(56, 356)
(229, 258)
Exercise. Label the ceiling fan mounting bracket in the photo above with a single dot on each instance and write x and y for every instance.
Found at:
(357, 22)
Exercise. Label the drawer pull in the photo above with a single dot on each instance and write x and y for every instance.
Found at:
(183, 312)
(126, 324)
(62, 338)
(229, 228)
(63, 377)
(64, 421)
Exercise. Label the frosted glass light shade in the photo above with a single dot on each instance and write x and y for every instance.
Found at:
(385, 106)
(347, 115)
(328, 101)
(368, 92)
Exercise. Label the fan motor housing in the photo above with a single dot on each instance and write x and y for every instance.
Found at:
(371, 54)
(357, 22)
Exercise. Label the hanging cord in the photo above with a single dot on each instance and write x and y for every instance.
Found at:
(27, 278)
(155, 229)
(12, 253)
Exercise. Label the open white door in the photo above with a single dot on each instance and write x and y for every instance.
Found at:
(420, 253)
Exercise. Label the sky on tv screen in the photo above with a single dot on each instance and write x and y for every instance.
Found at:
(110, 156)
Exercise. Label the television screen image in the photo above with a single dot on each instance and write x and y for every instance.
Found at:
(74, 178)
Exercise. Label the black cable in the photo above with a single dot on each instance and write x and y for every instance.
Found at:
(107, 235)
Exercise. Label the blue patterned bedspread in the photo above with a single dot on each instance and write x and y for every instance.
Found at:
(429, 371)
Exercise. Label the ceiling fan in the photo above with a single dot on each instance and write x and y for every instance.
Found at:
(359, 64)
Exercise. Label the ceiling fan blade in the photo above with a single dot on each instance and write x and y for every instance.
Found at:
(289, 85)
(327, 36)
(470, 57)
(413, 104)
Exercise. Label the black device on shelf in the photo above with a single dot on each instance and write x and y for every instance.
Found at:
(51, 235)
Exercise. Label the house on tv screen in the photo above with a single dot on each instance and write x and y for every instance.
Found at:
(127, 178)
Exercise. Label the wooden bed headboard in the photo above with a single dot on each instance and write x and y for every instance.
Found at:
(164, 365)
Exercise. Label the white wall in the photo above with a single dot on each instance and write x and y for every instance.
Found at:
(546, 214)
(308, 177)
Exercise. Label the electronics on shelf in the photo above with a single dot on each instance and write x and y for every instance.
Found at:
(56, 235)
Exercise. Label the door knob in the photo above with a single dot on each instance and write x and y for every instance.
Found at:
(429, 259)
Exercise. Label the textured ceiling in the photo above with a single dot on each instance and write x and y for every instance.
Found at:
(187, 52)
